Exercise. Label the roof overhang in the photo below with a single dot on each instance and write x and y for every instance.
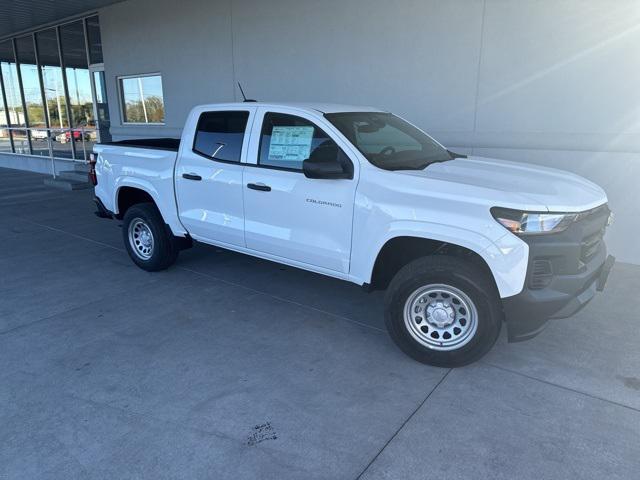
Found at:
(23, 15)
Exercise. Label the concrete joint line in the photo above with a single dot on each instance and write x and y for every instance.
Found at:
(403, 424)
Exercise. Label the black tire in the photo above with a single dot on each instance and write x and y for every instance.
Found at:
(165, 248)
(464, 276)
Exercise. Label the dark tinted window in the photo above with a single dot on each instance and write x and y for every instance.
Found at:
(95, 41)
(219, 135)
(288, 140)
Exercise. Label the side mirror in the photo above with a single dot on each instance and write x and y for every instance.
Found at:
(327, 162)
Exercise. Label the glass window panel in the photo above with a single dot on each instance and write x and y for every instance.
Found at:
(132, 101)
(95, 41)
(8, 70)
(142, 99)
(101, 92)
(14, 100)
(3, 118)
(5, 139)
(55, 102)
(288, 140)
(30, 82)
(11, 86)
(102, 107)
(55, 99)
(77, 74)
(219, 135)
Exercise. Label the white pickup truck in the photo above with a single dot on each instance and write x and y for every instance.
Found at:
(460, 244)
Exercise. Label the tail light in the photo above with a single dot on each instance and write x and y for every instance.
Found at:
(93, 178)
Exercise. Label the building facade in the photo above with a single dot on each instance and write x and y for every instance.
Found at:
(542, 81)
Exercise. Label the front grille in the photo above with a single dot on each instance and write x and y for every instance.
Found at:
(590, 246)
(572, 252)
(593, 224)
(601, 211)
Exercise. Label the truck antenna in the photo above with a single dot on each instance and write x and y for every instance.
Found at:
(245, 99)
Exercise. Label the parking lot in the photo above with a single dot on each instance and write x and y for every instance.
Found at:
(226, 366)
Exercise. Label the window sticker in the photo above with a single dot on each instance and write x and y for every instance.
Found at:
(290, 143)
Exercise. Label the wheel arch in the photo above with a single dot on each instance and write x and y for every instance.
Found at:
(130, 191)
(127, 196)
(400, 250)
(505, 260)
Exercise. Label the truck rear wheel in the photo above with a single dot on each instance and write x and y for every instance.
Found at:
(443, 311)
(146, 238)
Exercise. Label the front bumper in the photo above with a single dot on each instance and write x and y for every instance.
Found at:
(564, 273)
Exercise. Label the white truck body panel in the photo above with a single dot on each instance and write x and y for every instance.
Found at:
(150, 170)
(305, 220)
(211, 209)
(338, 227)
(530, 186)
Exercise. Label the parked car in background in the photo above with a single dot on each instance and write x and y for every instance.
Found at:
(39, 134)
(78, 135)
(460, 243)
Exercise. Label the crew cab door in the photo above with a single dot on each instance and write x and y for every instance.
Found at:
(288, 215)
(208, 174)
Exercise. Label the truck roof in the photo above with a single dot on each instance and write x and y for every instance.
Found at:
(312, 106)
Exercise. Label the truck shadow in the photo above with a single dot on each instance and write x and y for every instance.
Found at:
(312, 290)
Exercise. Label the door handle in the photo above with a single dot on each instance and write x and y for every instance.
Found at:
(191, 176)
(259, 186)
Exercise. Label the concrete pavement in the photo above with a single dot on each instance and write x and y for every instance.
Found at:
(226, 366)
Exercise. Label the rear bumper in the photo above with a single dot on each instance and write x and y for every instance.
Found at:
(102, 211)
(563, 275)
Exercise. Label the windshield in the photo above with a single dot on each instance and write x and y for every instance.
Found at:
(389, 142)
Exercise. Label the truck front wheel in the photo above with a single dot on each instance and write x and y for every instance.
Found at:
(146, 239)
(443, 311)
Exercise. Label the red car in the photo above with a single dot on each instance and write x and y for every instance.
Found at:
(77, 135)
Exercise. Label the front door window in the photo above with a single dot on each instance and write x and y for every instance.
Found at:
(287, 140)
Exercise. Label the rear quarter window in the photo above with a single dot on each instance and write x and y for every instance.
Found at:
(219, 135)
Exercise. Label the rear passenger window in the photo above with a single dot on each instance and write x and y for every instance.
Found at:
(219, 135)
(288, 140)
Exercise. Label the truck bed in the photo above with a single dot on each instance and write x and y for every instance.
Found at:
(171, 144)
(145, 164)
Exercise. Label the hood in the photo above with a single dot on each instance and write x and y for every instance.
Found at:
(547, 188)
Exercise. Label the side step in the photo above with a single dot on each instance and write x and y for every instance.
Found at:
(74, 176)
(81, 167)
(66, 183)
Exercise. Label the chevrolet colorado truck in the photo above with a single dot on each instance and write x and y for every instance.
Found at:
(460, 244)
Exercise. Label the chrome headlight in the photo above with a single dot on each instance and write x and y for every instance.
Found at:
(532, 223)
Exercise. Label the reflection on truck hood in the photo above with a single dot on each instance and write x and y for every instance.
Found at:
(555, 190)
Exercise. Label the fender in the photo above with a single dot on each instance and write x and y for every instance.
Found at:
(166, 207)
(507, 258)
